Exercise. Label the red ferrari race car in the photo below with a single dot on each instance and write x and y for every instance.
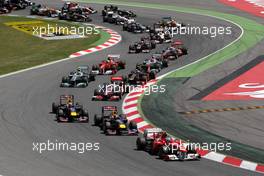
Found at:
(44, 11)
(110, 66)
(72, 6)
(157, 142)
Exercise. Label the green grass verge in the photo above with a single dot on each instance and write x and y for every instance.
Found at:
(21, 50)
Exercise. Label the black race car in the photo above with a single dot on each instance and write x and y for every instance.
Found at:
(79, 78)
(20, 4)
(135, 27)
(142, 47)
(108, 8)
(140, 76)
(4, 10)
(67, 111)
(126, 13)
(114, 18)
(114, 124)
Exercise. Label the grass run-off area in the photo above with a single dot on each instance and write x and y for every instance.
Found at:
(20, 50)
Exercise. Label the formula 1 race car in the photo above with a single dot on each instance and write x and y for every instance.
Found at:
(120, 81)
(44, 11)
(76, 15)
(161, 37)
(113, 124)
(67, 111)
(157, 142)
(72, 6)
(174, 52)
(4, 10)
(108, 92)
(109, 8)
(114, 18)
(110, 66)
(140, 76)
(142, 47)
(126, 13)
(155, 64)
(79, 78)
(135, 27)
(170, 22)
(19, 4)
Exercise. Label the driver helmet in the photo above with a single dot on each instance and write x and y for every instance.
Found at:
(114, 114)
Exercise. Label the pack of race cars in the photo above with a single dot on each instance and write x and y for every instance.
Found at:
(70, 11)
(6, 6)
(154, 140)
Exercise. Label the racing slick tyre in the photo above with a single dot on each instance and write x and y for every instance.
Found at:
(97, 120)
(184, 51)
(106, 126)
(165, 63)
(162, 151)
(54, 108)
(96, 92)
(92, 77)
(60, 114)
(86, 114)
(141, 143)
(65, 79)
(122, 65)
(132, 125)
(153, 45)
(181, 155)
(152, 75)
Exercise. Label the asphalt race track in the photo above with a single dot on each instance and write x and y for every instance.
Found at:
(25, 104)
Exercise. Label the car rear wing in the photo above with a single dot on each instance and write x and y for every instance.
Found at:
(117, 78)
(167, 18)
(157, 55)
(114, 56)
(177, 42)
(150, 133)
(66, 99)
(109, 108)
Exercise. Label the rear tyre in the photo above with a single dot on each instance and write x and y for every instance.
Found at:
(54, 108)
(97, 120)
(132, 125)
(141, 143)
